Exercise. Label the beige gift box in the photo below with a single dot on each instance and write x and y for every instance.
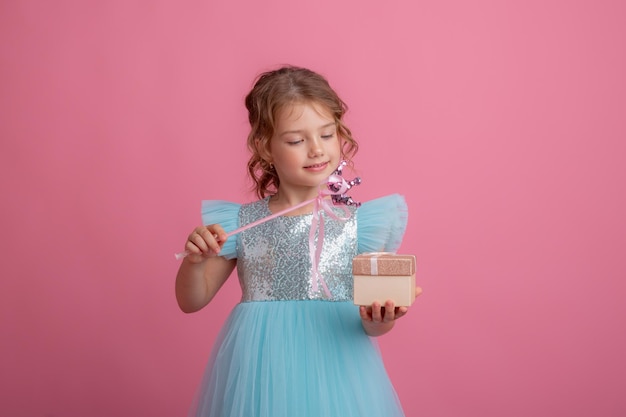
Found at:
(382, 276)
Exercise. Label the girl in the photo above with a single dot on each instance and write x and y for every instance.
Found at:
(291, 348)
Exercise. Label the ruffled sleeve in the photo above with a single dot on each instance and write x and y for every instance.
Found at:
(381, 224)
(226, 214)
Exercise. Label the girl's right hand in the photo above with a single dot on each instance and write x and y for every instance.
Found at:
(205, 242)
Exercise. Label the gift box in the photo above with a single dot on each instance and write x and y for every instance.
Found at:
(383, 276)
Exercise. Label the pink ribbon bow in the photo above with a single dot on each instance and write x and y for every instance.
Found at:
(336, 186)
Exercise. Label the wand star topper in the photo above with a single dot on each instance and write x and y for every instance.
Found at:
(339, 188)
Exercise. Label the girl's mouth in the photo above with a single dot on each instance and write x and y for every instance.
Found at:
(317, 167)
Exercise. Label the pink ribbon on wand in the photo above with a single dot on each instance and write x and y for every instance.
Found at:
(336, 187)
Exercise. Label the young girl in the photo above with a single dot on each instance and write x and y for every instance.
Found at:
(291, 348)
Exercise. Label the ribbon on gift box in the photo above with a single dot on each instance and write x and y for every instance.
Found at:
(374, 261)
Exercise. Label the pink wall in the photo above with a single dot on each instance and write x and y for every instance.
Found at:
(503, 123)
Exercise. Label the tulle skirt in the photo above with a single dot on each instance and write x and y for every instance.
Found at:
(295, 359)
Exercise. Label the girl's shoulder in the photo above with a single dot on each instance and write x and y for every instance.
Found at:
(381, 224)
(219, 211)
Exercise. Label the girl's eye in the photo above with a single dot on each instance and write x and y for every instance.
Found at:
(294, 142)
(329, 136)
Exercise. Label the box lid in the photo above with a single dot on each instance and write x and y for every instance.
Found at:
(383, 263)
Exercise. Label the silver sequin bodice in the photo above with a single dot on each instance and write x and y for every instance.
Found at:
(273, 260)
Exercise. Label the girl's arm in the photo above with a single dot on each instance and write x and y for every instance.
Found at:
(202, 272)
(197, 283)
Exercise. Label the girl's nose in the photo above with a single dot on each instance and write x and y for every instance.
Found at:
(315, 148)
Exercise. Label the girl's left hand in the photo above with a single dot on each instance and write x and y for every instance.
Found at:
(379, 319)
(388, 313)
(377, 313)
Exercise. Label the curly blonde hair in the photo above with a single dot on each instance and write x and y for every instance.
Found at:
(272, 92)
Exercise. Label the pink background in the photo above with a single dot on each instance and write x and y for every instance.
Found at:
(503, 123)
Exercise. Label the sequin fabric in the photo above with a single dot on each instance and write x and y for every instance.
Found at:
(273, 260)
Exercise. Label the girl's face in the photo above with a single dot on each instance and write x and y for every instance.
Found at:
(305, 148)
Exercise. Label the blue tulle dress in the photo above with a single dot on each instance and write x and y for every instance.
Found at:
(287, 350)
